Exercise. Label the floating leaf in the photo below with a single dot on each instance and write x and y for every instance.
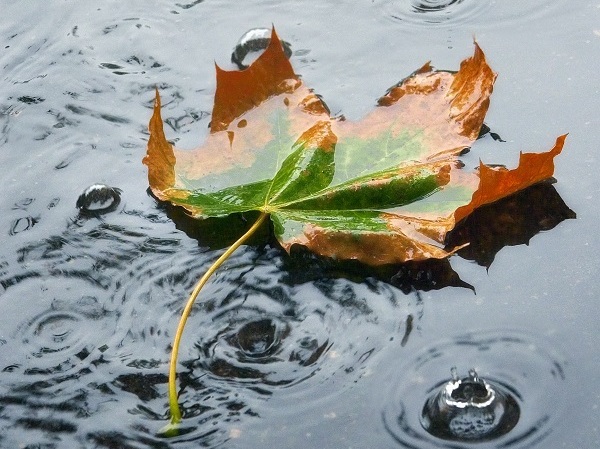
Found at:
(345, 190)
(383, 190)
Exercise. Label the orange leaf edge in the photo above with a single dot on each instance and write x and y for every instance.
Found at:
(498, 183)
(160, 157)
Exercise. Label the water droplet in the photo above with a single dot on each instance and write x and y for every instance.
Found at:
(503, 400)
(470, 409)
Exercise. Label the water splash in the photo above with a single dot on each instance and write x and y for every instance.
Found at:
(502, 402)
(470, 409)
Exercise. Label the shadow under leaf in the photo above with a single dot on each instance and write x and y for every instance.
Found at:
(511, 221)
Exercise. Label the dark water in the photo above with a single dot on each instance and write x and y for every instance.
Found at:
(279, 352)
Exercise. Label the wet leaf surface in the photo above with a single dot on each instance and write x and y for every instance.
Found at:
(383, 190)
(513, 220)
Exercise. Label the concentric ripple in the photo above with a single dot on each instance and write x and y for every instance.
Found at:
(435, 12)
(250, 327)
(488, 13)
(69, 324)
(259, 340)
(278, 336)
(530, 371)
(251, 335)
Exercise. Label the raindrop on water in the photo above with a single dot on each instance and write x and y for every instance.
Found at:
(22, 224)
(503, 403)
(425, 6)
(470, 409)
(52, 325)
(487, 13)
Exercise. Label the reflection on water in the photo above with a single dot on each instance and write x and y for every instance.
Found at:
(511, 221)
(102, 301)
(521, 367)
(89, 304)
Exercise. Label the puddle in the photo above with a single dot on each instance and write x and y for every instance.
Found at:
(282, 351)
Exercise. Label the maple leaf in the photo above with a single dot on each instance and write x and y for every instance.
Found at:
(345, 190)
(383, 190)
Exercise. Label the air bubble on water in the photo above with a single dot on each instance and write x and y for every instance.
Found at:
(99, 199)
(254, 41)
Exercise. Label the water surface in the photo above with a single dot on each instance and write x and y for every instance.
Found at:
(280, 352)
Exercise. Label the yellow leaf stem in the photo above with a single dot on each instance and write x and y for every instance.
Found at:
(173, 404)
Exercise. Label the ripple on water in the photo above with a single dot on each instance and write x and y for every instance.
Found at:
(527, 368)
(419, 13)
(251, 335)
(263, 342)
(61, 357)
(483, 13)
(88, 317)
(52, 325)
(269, 335)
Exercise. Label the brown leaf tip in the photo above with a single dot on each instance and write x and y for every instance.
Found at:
(240, 91)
